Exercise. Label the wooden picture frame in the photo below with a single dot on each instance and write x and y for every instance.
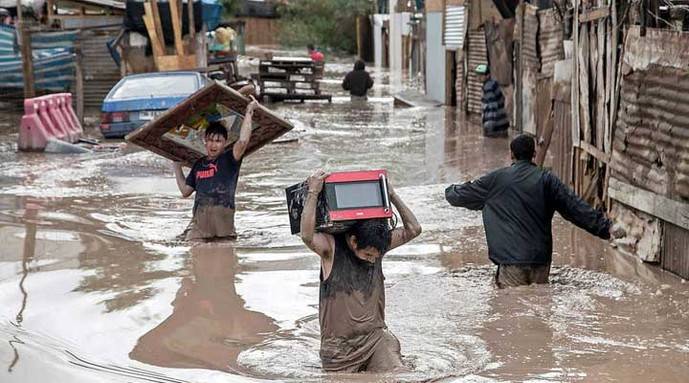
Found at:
(158, 135)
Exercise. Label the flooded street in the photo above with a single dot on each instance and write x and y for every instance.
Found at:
(96, 286)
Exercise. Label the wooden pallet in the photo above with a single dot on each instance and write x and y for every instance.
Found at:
(290, 78)
(159, 135)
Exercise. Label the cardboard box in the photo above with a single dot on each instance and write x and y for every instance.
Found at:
(177, 134)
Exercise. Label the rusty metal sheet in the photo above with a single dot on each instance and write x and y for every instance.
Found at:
(543, 105)
(529, 42)
(561, 141)
(476, 55)
(660, 47)
(550, 40)
(499, 46)
(675, 250)
(171, 135)
(651, 139)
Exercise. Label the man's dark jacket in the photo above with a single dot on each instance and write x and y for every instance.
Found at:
(518, 203)
(357, 82)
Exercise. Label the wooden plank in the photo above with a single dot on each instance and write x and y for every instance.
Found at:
(190, 14)
(613, 76)
(155, 14)
(176, 26)
(600, 86)
(158, 49)
(79, 74)
(593, 84)
(583, 57)
(575, 82)
(27, 61)
(594, 14)
(669, 210)
(594, 151)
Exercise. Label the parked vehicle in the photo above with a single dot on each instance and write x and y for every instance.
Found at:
(139, 98)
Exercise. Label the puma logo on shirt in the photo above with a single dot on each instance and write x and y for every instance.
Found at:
(207, 173)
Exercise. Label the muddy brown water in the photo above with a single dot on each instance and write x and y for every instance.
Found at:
(95, 285)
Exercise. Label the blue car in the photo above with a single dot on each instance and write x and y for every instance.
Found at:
(139, 98)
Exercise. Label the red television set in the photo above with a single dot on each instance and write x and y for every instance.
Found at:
(346, 198)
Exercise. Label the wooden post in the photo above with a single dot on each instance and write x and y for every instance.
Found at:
(190, 16)
(359, 48)
(176, 27)
(158, 27)
(27, 58)
(79, 73)
(575, 97)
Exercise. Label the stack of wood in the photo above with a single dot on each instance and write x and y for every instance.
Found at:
(184, 58)
(290, 78)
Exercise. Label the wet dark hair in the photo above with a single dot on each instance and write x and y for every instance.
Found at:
(359, 65)
(523, 147)
(372, 232)
(216, 128)
(310, 47)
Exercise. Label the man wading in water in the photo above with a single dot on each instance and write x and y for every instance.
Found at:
(354, 336)
(518, 203)
(214, 178)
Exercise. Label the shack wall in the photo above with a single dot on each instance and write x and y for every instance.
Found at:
(650, 148)
(100, 71)
(261, 31)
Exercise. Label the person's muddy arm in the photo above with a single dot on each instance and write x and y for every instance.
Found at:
(185, 189)
(321, 243)
(410, 226)
(245, 132)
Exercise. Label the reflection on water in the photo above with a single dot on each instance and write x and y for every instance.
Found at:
(95, 285)
(209, 325)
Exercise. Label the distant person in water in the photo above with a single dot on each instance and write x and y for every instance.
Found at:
(214, 179)
(315, 54)
(354, 336)
(358, 81)
(494, 118)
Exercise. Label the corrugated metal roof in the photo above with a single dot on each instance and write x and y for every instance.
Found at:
(455, 27)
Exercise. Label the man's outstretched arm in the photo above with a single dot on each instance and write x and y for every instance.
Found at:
(410, 226)
(471, 195)
(574, 209)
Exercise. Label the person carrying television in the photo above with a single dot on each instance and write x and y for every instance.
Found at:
(354, 336)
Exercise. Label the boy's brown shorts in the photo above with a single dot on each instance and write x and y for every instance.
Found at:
(211, 222)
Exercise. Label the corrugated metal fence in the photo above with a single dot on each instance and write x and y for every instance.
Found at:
(477, 54)
(100, 71)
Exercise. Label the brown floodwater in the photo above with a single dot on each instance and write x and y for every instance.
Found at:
(96, 286)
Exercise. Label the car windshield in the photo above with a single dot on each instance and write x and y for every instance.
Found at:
(156, 86)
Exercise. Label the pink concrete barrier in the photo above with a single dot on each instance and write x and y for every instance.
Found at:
(71, 114)
(44, 115)
(32, 134)
(55, 115)
(48, 117)
(60, 107)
